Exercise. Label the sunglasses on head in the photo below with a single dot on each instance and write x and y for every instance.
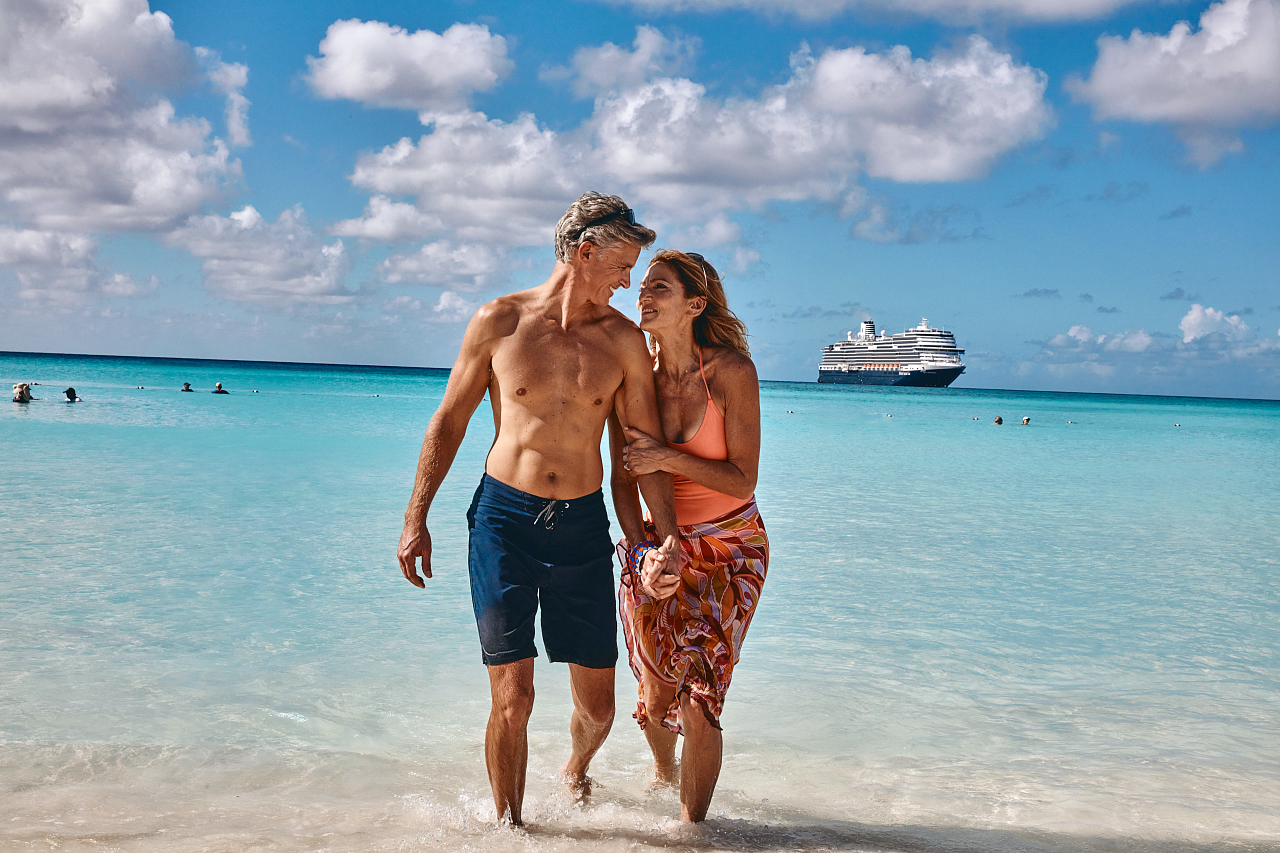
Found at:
(626, 213)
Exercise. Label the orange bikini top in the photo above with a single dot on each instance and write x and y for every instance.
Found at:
(695, 503)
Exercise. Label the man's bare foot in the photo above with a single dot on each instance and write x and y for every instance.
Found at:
(663, 778)
(578, 785)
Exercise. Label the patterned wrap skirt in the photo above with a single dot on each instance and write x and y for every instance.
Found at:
(693, 639)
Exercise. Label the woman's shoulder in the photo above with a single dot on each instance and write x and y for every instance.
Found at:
(729, 366)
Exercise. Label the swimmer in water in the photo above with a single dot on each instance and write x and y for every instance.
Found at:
(71, 395)
(186, 386)
(217, 388)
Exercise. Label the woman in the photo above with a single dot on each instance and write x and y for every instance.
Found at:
(683, 646)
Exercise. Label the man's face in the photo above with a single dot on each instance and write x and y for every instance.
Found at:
(608, 270)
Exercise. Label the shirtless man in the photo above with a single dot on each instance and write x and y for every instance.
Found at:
(556, 361)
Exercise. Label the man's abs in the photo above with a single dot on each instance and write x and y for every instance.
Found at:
(560, 461)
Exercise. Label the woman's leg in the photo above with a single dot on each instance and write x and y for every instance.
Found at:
(699, 760)
(662, 741)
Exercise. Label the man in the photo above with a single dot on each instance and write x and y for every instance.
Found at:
(556, 361)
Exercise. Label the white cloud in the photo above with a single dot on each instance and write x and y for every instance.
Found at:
(229, 78)
(1213, 348)
(1201, 321)
(470, 266)
(452, 308)
(1207, 83)
(85, 147)
(248, 259)
(388, 66)
(492, 181)
(948, 10)
(609, 68)
(389, 221)
(690, 160)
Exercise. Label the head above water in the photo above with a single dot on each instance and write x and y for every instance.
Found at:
(716, 326)
(604, 220)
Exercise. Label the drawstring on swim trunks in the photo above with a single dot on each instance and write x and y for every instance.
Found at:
(550, 514)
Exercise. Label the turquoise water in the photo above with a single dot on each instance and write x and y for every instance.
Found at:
(1063, 636)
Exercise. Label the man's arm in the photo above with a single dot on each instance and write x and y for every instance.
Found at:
(622, 486)
(636, 403)
(467, 383)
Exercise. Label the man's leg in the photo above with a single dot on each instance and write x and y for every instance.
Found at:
(592, 718)
(506, 740)
(699, 760)
(662, 741)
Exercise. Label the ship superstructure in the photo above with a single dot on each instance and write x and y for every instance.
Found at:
(919, 357)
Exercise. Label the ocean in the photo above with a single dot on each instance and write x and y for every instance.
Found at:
(1063, 636)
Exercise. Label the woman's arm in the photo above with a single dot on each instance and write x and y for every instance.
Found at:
(736, 377)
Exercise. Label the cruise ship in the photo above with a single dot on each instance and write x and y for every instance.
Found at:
(921, 357)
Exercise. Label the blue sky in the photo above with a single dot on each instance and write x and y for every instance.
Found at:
(1084, 191)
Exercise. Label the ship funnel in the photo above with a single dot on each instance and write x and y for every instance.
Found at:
(868, 330)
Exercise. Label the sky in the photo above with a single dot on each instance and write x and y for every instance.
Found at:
(1084, 191)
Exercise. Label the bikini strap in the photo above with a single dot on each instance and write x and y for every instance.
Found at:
(703, 371)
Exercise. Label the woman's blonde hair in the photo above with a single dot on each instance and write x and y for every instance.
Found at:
(716, 326)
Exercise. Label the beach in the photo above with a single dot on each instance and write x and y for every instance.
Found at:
(1062, 636)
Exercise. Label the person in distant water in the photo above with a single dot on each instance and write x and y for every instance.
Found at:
(1026, 421)
(186, 386)
(999, 420)
(71, 396)
(22, 392)
(556, 361)
(217, 388)
(683, 648)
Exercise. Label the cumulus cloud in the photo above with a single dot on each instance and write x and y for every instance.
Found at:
(87, 145)
(1201, 321)
(492, 181)
(468, 267)
(1211, 342)
(609, 68)
(229, 78)
(1207, 83)
(1178, 293)
(687, 157)
(282, 263)
(389, 221)
(949, 10)
(62, 270)
(388, 66)
(449, 308)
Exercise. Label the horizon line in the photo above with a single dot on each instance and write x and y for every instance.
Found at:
(324, 364)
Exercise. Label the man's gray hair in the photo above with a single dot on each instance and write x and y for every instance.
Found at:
(592, 206)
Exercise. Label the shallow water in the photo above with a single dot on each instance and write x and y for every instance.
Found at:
(1064, 636)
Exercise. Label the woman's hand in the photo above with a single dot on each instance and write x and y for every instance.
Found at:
(660, 574)
(644, 454)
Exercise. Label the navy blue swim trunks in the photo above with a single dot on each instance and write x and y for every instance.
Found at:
(526, 551)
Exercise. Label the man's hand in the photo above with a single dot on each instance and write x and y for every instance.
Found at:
(660, 574)
(415, 542)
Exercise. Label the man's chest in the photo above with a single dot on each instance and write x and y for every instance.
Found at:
(558, 364)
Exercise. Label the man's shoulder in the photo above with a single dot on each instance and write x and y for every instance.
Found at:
(622, 331)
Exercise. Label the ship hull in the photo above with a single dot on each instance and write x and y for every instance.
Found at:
(913, 379)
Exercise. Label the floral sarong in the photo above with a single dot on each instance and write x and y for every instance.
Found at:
(692, 640)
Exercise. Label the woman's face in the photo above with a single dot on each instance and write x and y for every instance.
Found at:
(662, 302)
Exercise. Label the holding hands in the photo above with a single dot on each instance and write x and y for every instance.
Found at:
(660, 574)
